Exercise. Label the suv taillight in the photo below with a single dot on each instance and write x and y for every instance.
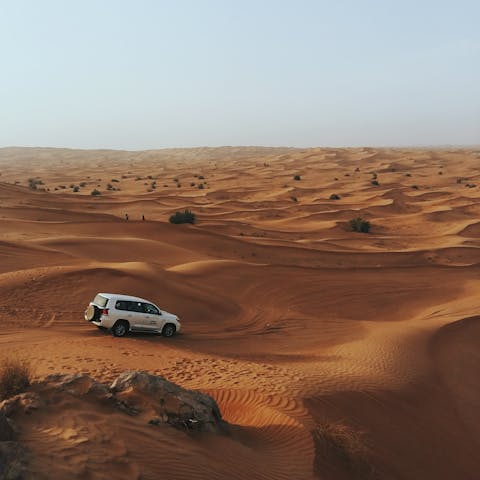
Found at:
(105, 311)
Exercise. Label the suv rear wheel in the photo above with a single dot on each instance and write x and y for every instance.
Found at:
(121, 328)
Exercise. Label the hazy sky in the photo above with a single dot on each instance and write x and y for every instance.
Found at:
(149, 74)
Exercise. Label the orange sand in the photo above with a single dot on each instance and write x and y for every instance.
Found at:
(290, 320)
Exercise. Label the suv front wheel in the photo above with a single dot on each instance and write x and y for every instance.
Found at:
(169, 330)
(121, 328)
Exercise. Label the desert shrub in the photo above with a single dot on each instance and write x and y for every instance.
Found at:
(334, 196)
(83, 184)
(336, 179)
(109, 186)
(339, 444)
(360, 225)
(470, 185)
(137, 178)
(34, 182)
(186, 216)
(76, 188)
(124, 176)
(374, 175)
(459, 180)
(408, 174)
(200, 186)
(357, 169)
(440, 173)
(375, 183)
(150, 177)
(297, 177)
(415, 187)
(192, 184)
(176, 180)
(201, 177)
(114, 180)
(15, 377)
(294, 199)
(95, 192)
(179, 185)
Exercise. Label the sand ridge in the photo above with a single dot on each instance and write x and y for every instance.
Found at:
(290, 319)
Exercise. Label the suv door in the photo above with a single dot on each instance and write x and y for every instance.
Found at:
(136, 315)
(153, 318)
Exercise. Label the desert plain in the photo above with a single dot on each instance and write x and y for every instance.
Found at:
(332, 354)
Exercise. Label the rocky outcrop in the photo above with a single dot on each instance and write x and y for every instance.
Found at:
(153, 399)
(6, 431)
(13, 461)
(12, 454)
(135, 393)
(167, 402)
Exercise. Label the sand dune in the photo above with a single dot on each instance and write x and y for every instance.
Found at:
(291, 321)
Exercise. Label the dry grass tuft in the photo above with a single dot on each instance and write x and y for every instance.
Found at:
(339, 447)
(15, 377)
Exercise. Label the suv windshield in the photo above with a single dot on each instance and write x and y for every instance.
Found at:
(100, 301)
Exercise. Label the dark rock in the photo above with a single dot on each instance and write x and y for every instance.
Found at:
(174, 405)
(13, 461)
(23, 402)
(6, 431)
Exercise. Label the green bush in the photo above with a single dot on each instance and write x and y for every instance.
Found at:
(297, 177)
(334, 196)
(34, 182)
(76, 188)
(95, 193)
(360, 225)
(375, 183)
(186, 216)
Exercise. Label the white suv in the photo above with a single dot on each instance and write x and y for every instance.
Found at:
(123, 313)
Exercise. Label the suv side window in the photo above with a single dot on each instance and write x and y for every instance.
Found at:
(135, 307)
(121, 305)
(149, 308)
